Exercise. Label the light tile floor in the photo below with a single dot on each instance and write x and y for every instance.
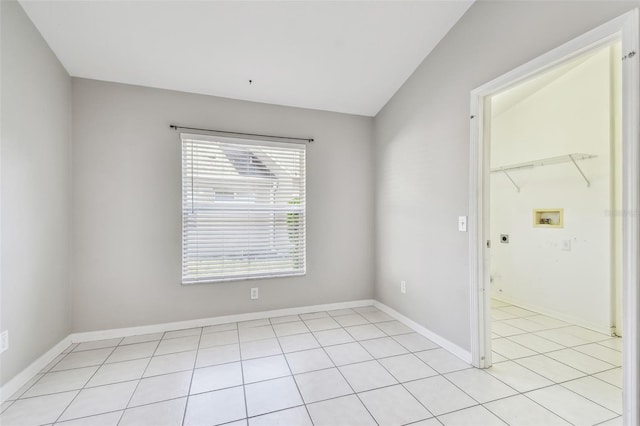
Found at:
(346, 367)
(559, 368)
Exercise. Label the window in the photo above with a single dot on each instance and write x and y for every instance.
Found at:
(243, 209)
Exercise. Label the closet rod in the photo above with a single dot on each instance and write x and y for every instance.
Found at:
(173, 126)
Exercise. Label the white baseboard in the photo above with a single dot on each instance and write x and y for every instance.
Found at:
(28, 373)
(463, 354)
(204, 322)
(13, 385)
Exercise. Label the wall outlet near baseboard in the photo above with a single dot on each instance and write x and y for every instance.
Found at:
(4, 341)
(403, 287)
(254, 293)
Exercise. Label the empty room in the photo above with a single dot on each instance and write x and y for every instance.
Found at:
(319, 213)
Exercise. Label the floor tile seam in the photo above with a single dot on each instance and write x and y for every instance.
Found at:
(220, 364)
(86, 417)
(599, 343)
(535, 402)
(553, 382)
(75, 350)
(539, 337)
(520, 344)
(78, 392)
(278, 410)
(244, 389)
(444, 375)
(294, 381)
(594, 375)
(399, 382)
(572, 379)
(10, 403)
(347, 382)
(138, 384)
(529, 318)
(589, 399)
(284, 322)
(549, 409)
(184, 413)
(592, 357)
(480, 405)
(608, 420)
(584, 374)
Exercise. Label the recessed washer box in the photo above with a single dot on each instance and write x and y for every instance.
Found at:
(548, 218)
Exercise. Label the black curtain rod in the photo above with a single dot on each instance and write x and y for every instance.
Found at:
(173, 126)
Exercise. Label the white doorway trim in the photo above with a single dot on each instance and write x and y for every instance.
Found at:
(626, 29)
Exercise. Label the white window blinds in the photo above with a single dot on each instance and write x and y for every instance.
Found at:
(243, 209)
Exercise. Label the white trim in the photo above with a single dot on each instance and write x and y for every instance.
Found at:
(434, 337)
(627, 28)
(631, 220)
(32, 370)
(35, 367)
(21, 379)
(90, 336)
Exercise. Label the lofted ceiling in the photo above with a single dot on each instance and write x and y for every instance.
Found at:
(344, 56)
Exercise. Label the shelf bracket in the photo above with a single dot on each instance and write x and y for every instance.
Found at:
(511, 180)
(579, 170)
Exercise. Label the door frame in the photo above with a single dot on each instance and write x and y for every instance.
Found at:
(625, 28)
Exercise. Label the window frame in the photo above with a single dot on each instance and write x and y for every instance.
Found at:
(247, 275)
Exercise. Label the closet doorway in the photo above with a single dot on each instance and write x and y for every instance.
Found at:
(553, 241)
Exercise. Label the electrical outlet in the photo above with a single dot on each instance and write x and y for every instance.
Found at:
(254, 293)
(4, 341)
(403, 287)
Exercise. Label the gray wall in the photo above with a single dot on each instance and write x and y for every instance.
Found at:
(422, 152)
(35, 193)
(127, 206)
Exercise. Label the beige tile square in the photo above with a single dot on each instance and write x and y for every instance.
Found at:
(439, 395)
(482, 386)
(571, 406)
(101, 399)
(297, 416)
(343, 411)
(368, 375)
(393, 406)
(520, 410)
(214, 408)
(271, 395)
(472, 416)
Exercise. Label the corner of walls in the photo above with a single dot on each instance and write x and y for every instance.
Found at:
(422, 153)
(127, 177)
(35, 193)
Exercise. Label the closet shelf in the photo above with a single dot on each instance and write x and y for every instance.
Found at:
(569, 158)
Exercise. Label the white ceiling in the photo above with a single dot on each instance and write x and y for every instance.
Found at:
(345, 56)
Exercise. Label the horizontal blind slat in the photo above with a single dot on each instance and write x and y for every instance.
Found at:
(243, 209)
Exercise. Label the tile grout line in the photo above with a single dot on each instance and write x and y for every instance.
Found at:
(139, 381)
(561, 383)
(398, 381)
(346, 381)
(206, 366)
(186, 403)
(357, 341)
(82, 388)
(293, 377)
(244, 389)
